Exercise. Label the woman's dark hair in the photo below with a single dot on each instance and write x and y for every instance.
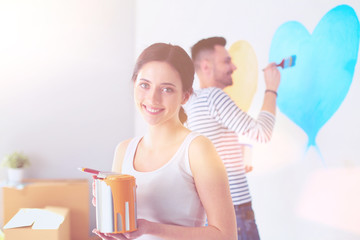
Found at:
(176, 57)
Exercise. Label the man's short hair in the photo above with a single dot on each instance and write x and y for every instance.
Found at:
(207, 44)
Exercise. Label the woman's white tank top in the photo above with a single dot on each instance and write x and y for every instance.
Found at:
(167, 194)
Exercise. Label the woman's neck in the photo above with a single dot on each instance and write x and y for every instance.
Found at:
(164, 135)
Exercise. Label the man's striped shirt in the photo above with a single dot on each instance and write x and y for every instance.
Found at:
(212, 113)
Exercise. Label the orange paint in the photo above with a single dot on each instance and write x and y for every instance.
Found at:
(123, 188)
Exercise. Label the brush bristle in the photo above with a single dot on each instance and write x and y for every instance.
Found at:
(290, 61)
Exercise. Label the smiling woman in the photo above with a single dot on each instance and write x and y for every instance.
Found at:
(179, 175)
(158, 92)
(177, 59)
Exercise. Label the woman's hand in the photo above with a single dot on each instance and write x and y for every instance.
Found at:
(142, 228)
(107, 236)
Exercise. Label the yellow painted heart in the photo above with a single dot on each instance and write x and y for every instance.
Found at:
(245, 77)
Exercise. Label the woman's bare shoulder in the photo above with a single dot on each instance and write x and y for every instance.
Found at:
(120, 154)
(123, 145)
(201, 143)
(202, 151)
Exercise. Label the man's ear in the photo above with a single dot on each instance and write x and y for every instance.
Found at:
(205, 65)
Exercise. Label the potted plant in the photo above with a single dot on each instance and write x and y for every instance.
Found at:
(15, 163)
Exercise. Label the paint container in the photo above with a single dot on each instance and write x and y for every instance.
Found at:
(115, 203)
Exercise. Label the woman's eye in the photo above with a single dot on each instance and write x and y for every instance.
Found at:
(167, 90)
(144, 85)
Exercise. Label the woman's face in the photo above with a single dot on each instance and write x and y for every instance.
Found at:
(158, 93)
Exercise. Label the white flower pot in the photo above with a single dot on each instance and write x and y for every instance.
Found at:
(15, 175)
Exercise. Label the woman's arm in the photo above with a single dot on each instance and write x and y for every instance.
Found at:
(213, 188)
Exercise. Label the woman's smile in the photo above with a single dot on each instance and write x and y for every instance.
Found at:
(152, 110)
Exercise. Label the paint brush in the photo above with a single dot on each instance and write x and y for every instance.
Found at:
(287, 62)
(99, 174)
(89, 170)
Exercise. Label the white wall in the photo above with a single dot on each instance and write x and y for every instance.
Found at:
(295, 195)
(65, 88)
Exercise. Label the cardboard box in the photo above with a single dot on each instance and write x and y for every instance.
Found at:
(71, 194)
(50, 223)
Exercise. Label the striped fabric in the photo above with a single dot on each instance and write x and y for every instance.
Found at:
(212, 113)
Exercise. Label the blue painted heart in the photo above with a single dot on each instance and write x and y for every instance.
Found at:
(313, 90)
